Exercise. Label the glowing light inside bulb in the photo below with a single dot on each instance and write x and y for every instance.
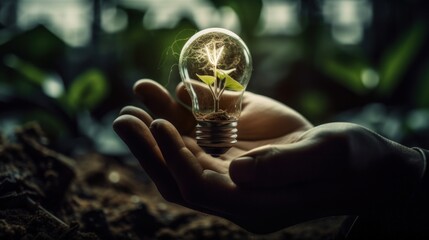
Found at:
(214, 55)
(215, 66)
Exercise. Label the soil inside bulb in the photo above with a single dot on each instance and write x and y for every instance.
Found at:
(220, 115)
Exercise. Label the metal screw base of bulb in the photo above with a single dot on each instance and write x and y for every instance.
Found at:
(216, 137)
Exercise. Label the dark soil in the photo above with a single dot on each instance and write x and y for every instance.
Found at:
(215, 116)
(46, 195)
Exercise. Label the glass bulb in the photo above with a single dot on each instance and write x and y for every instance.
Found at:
(215, 65)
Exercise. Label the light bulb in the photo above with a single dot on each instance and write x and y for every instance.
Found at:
(215, 65)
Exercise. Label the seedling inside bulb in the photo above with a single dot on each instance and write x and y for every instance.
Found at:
(220, 80)
(215, 66)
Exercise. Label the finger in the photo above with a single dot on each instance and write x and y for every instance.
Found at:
(183, 96)
(144, 147)
(153, 95)
(288, 164)
(158, 100)
(138, 113)
(181, 161)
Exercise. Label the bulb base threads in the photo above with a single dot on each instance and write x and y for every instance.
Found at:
(216, 137)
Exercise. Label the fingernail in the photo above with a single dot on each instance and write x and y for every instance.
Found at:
(242, 169)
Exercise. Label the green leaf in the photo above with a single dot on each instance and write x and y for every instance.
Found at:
(232, 84)
(87, 90)
(399, 56)
(28, 70)
(346, 73)
(209, 80)
(220, 74)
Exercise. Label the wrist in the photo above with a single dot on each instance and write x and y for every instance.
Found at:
(421, 193)
(424, 158)
(408, 178)
(412, 162)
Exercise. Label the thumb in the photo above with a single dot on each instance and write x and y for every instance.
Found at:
(281, 165)
(183, 96)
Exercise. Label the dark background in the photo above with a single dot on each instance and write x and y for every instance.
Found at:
(70, 65)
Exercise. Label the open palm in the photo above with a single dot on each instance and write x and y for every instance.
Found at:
(158, 143)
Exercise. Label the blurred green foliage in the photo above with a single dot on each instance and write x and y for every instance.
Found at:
(397, 58)
(310, 70)
(28, 71)
(86, 91)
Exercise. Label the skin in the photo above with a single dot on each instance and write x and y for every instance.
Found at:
(281, 172)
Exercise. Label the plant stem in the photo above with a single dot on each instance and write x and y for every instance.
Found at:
(216, 90)
(216, 105)
(216, 81)
(213, 96)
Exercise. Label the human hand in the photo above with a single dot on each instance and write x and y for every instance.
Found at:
(290, 177)
(263, 121)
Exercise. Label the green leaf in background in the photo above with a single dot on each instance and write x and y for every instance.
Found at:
(207, 79)
(28, 70)
(347, 74)
(397, 59)
(87, 90)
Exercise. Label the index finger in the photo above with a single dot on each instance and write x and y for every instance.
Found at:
(160, 103)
